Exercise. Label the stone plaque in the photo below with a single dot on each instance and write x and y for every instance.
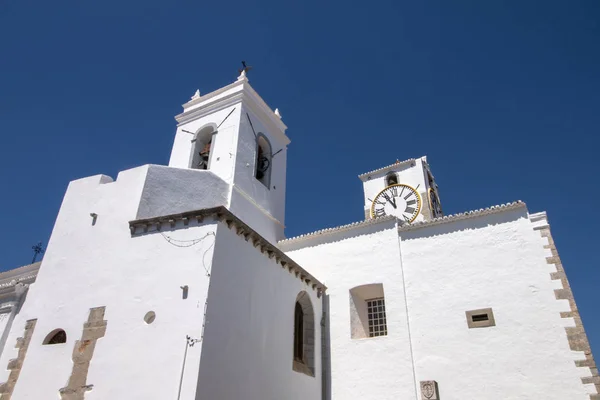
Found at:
(429, 390)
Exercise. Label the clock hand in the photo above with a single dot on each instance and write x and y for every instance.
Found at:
(389, 199)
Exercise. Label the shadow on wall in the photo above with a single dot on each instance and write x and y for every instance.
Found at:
(325, 351)
(480, 222)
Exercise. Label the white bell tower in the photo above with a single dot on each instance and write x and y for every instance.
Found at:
(406, 189)
(233, 134)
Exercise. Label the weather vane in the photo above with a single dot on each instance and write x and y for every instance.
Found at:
(37, 249)
(245, 69)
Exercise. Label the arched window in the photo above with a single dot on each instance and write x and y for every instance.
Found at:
(202, 146)
(391, 179)
(264, 156)
(304, 335)
(55, 337)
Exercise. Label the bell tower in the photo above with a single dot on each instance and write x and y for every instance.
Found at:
(233, 134)
(405, 189)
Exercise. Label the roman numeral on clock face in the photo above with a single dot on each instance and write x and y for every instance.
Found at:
(399, 200)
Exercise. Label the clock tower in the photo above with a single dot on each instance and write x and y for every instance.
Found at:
(405, 189)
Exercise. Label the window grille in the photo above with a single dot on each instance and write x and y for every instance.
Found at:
(377, 320)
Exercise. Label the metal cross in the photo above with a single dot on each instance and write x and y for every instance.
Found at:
(37, 249)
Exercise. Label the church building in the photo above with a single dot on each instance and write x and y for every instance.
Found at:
(177, 282)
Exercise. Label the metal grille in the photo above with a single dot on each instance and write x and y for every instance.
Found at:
(377, 321)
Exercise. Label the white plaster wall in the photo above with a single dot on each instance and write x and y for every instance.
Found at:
(495, 261)
(223, 146)
(175, 190)
(370, 368)
(233, 159)
(97, 265)
(248, 340)
(272, 199)
(409, 175)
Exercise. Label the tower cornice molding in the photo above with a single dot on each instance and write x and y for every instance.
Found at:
(237, 92)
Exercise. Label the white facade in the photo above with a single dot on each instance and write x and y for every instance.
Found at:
(176, 282)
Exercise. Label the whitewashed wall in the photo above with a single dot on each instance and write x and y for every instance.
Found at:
(248, 340)
(259, 206)
(369, 368)
(97, 265)
(495, 261)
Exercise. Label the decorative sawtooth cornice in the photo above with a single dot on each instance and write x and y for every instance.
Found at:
(389, 167)
(223, 215)
(405, 227)
(328, 231)
(464, 215)
(24, 274)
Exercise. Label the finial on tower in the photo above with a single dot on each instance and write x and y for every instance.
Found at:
(278, 113)
(243, 71)
(196, 95)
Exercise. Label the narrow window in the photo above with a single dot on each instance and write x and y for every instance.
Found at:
(303, 359)
(298, 333)
(55, 337)
(377, 320)
(263, 160)
(391, 179)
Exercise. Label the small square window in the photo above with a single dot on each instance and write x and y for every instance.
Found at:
(376, 314)
(481, 318)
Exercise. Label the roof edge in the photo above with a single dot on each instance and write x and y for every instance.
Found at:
(337, 229)
(222, 214)
(464, 215)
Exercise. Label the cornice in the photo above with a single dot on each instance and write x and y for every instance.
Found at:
(25, 273)
(223, 215)
(462, 216)
(241, 91)
(334, 230)
(397, 164)
(9, 280)
(404, 227)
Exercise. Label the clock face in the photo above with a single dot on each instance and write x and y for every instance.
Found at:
(401, 201)
(434, 203)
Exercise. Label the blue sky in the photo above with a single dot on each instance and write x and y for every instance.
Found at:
(503, 98)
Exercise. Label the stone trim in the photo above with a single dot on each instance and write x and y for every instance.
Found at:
(307, 365)
(429, 390)
(93, 329)
(15, 365)
(576, 335)
(490, 321)
(222, 214)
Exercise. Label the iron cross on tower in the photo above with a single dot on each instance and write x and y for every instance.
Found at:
(246, 68)
(37, 249)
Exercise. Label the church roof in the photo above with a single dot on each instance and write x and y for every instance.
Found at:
(407, 227)
(222, 214)
(9, 279)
